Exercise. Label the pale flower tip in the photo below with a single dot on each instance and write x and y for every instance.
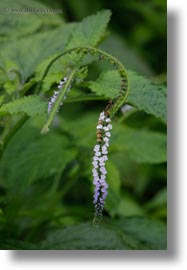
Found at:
(44, 130)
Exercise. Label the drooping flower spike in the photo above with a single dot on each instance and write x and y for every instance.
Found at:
(104, 126)
(99, 170)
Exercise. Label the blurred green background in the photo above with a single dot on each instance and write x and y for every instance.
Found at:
(137, 30)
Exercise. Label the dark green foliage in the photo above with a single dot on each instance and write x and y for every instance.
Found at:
(124, 234)
(31, 105)
(45, 180)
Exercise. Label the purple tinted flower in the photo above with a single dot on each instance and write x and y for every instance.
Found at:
(106, 139)
(105, 158)
(98, 154)
(97, 147)
(102, 163)
(99, 170)
(95, 164)
(104, 152)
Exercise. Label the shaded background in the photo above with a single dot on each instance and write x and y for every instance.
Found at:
(138, 27)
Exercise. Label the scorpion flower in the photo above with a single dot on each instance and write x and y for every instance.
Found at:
(99, 170)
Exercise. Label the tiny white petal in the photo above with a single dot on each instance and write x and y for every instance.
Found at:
(102, 114)
(106, 139)
(106, 128)
(99, 126)
(108, 134)
(102, 164)
(105, 158)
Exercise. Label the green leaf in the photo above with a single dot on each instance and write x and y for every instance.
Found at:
(1, 99)
(144, 94)
(83, 128)
(147, 96)
(31, 105)
(113, 180)
(50, 80)
(84, 237)
(159, 200)
(28, 52)
(136, 233)
(108, 84)
(12, 83)
(143, 233)
(14, 25)
(35, 157)
(129, 207)
(16, 245)
(143, 146)
(90, 31)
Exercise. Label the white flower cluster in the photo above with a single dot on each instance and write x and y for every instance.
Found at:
(56, 93)
(99, 170)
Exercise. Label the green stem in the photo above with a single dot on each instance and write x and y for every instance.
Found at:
(124, 92)
(12, 132)
(56, 106)
(119, 101)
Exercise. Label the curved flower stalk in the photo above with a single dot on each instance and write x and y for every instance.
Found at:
(114, 105)
(99, 170)
(103, 127)
(119, 101)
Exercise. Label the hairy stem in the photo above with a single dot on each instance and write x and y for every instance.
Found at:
(124, 91)
(112, 108)
(56, 106)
